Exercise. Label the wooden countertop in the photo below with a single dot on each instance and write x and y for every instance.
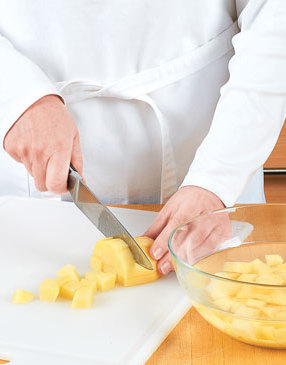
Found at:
(194, 342)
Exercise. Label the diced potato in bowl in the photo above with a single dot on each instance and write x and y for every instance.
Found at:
(245, 310)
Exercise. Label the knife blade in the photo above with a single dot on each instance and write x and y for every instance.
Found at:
(102, 217)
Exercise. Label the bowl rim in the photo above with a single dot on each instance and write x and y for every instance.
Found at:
(216, 211)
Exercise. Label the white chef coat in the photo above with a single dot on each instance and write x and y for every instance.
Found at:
(142, 80)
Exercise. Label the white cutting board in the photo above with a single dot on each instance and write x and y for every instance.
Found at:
(125, 325)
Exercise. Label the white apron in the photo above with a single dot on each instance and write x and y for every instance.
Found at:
(146, 92)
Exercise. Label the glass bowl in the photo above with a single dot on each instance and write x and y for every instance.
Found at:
(231, 264)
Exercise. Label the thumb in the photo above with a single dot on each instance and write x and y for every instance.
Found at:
(76, 156)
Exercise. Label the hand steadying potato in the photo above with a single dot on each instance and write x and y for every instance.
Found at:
(188, 202)
(45, 139)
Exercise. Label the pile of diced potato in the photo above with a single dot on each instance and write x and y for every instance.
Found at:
(111, 263)
(252, 313)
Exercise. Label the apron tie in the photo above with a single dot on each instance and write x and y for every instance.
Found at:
(139, 85)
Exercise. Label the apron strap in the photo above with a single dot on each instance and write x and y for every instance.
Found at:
(139, 85)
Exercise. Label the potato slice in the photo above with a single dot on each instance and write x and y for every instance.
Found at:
(22, 296)
(68, 271)
(83, 298)
(49, 290)
(117, 258)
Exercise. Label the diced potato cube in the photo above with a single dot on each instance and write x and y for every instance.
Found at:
(265, 332)
(62, 280)
(248, 278)
(49, 290)
(278, 298)
(22, 296)
(83, 298)
(96, 263)
(280, 268)
(271, 279)
(68, 290)
(69, 271)
(227, 304)
(281, 315)
(282, 274)
(245, 311)
(251, 292)
(259, 267)
(90, 283)
(240, 267)
(280, 334)
(221, 288)
(273, 260)
(243, 328)
(227, 275)
(254, 303)
(105, 281)
(269, 311)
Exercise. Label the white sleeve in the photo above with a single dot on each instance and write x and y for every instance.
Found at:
(22, 83)
(252, 106)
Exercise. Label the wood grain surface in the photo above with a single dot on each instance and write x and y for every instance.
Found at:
(277, 159)
(194, 342)
(275, 188)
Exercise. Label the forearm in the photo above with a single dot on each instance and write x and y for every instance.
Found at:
(252, 107)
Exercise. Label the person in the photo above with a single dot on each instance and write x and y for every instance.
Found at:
(137, 95)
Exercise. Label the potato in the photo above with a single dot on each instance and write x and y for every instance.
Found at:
(273, 260)
(117, 258)
(90, 283)
(271, 279)
(105, 281)
(22, 296)
(241, 267)
(95, 263)
(252, 303)
(68, 290)
(83, 298)
(259, 267)
(49, 290)
(68, 271)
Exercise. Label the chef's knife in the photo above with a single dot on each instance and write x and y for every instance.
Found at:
(102, 217)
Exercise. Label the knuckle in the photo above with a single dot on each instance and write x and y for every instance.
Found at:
(21, 149)
(56, 186)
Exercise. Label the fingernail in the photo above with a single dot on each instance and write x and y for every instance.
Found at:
(166, 267)
(157, 253)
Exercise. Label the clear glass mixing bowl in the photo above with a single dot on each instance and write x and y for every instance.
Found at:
(219, 258)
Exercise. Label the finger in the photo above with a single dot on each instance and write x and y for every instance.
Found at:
(27, 163)
(57, 172)
(160, 245)
(165, 265)
(76, 157)
(158, 225)
(38, 171)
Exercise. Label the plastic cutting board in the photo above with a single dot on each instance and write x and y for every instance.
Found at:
(124, 326)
